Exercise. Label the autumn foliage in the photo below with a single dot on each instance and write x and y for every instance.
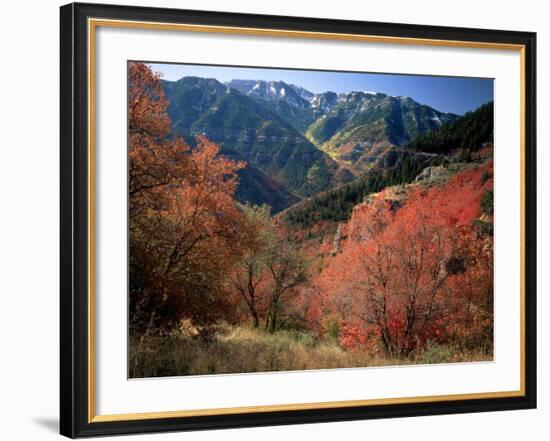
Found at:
(195, 253)
(409, 269)
(415, 273)
(184, 224)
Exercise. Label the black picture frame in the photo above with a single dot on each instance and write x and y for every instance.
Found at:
(74, 191)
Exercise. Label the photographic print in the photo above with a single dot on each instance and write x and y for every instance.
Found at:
(284, 219)
(271, 220)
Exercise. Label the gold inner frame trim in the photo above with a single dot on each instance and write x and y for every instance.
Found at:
(300, 406)
(92, 25)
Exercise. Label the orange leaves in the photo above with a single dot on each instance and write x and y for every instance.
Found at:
(211, 171)
(155, 160)
(146, 102)
(185, 226)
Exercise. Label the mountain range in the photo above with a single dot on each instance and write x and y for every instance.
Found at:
(297, 143)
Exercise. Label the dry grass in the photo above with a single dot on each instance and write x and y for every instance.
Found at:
(241, 350)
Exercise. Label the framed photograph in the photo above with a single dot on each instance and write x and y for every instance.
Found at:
(274, 220)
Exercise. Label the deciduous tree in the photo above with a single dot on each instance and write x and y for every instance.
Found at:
(185, 226)
(251, 269)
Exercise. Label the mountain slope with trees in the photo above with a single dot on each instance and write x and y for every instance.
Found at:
(444, 146)
(245, 126)
(470, 132)
(361, 126)
(305, 142)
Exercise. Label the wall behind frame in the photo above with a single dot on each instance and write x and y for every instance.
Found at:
(29, 223)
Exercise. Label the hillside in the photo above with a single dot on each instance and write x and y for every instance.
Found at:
(355, 128)
(245, 126)
(469, 132)
(257, 188)
(291, 103)
(360, 126)
(298, 144)
(337, 204)
(450, 145)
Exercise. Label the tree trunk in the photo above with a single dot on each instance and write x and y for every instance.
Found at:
(253, 312)
(255, 319)
(273, 321)
(267, 319)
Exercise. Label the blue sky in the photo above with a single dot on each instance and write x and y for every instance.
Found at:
(447, 94)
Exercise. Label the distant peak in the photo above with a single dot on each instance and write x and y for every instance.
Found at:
(273, 89)
(365, 92)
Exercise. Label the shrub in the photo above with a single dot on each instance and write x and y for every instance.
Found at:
(485, 177)
(486, 203)
(436, 353)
